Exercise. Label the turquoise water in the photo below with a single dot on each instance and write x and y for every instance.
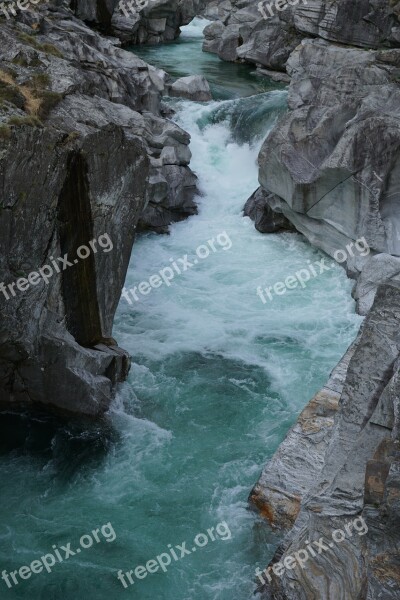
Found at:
(185, 57)
(217, 379)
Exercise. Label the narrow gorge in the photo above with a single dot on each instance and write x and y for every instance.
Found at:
(234, 180)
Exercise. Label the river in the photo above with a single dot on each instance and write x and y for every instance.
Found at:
(217, 379)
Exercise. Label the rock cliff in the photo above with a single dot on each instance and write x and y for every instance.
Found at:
(139, 21)
(95, 160)
(250, 31)
(330, 167)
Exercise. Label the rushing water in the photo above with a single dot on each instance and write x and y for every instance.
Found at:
(218, 378)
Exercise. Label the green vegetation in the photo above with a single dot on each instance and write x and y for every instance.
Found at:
(40, 80)
(32, 97)
(73, 135)
(48, 100)
(29, 120)
(10, 93)
(20, 60)
(5, 132)
(47, 48)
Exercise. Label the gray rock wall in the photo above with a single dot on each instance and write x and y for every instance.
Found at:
(84, 153)
(243, 32)
(138, 21)
(330, 166)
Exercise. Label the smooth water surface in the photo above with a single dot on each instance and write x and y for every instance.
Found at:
(185, 57)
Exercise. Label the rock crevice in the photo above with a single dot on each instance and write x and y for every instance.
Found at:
(96, 161)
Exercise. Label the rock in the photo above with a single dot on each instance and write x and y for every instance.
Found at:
(282, 486)
(333, 158)
(249, 32)
(138, 21)
(330, 471)
(330, 166)
(170, 198)
(266, 220)
(274, 75)
(85, 161)
(379, 269)
(193, 87)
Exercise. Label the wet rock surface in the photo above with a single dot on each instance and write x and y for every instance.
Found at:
(259, 207)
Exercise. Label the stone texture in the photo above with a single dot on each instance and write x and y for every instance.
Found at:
(266, 220)
(143, 22)
(333, 158)
(244, 33)
(82, 117)
(193, 87)
(331, 469)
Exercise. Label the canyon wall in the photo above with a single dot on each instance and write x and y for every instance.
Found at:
(85, 154)
(138, 21)
(267, 37)
(330, 168)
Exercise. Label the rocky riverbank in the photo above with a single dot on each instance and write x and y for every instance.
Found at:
(94, 156)
(247, 30)
(330, 168)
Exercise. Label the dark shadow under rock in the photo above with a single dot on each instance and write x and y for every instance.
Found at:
(266, 220)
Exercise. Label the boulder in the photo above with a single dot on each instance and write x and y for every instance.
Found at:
(266, 220)
(193, 87)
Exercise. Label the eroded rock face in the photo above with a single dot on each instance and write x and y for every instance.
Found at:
(330, 166)
(84, 154)
(333, 469)
(331, 163)
(139, 21)
(249, 32)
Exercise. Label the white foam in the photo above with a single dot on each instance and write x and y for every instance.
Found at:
(214, 307)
